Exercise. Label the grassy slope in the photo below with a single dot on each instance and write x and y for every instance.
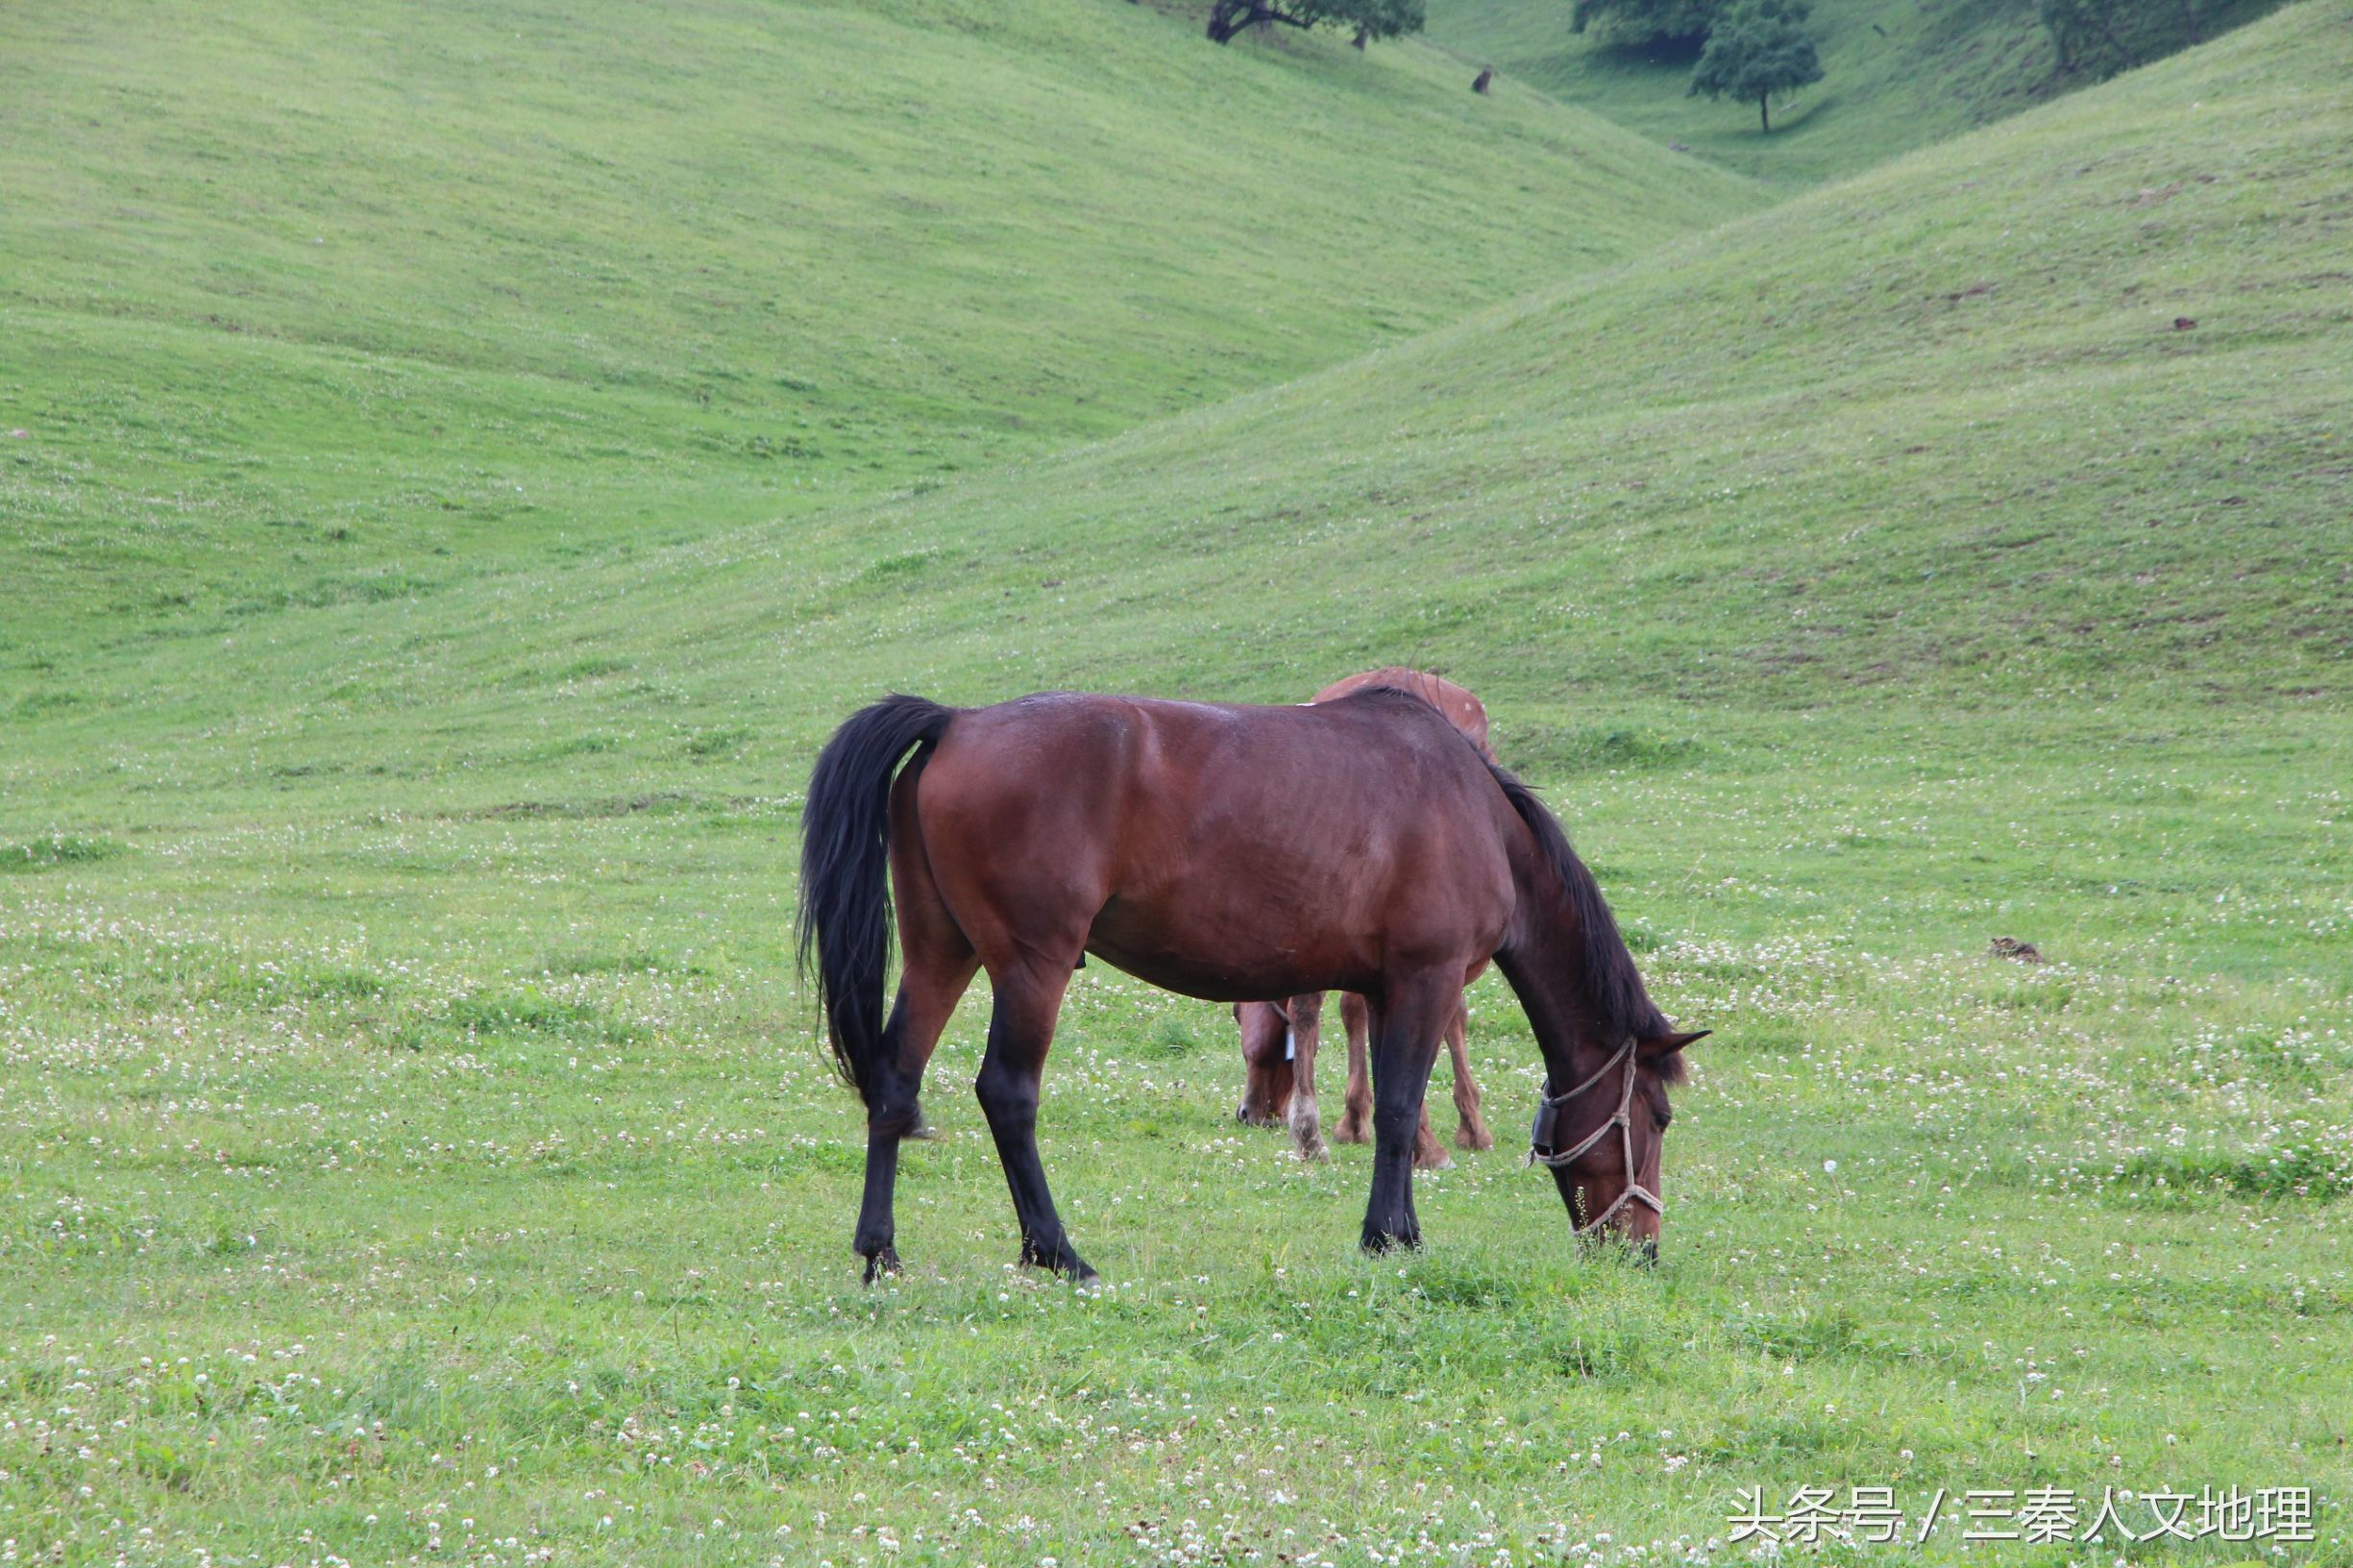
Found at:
(431, 1012)
(1962, 454)
(1897, 74)
(309, 308)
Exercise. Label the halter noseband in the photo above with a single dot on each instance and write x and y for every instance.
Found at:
(1548, 1112)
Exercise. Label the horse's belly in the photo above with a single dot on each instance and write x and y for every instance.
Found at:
(1197, 954)
(1215, 981)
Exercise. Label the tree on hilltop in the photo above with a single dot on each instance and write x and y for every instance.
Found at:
(1756, 49)
(1370, 18)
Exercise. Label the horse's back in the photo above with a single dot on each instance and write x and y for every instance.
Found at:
(1228, 852)
(1207, 763)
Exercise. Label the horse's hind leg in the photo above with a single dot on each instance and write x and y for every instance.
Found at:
(1306, 1035)
(1471, 1130)
(1021, 1031)
(927, 993)
(1356, 1108)
(940, 963)
(1428, 1154)
(1355, 1118)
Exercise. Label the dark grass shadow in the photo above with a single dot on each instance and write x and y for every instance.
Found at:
(1655, 54)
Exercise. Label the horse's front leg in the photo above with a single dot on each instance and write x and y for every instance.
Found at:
(1406, 1026)
(1021, 1032)
(1307, 1033)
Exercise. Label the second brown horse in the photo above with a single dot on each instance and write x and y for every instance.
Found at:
(1281, 1039)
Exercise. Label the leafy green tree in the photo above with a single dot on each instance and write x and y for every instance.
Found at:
(2100, 37)
(1756, 49)
(1370, 18)
(1646, 21)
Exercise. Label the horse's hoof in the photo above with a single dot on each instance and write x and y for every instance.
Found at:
(881, 1262)
(1433, 1159)
(1062, 1261)
(1378, 1242)
(1349, 1130)
(1477, 1140)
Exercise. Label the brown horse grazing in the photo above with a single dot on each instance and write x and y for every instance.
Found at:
(1193, 846)
(1280, 1040)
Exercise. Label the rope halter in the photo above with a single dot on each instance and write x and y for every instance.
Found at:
(1548, 1112)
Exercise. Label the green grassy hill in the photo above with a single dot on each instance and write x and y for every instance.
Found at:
(1897, 74)
(297, 308)
(1932, 434)
(415, 1141)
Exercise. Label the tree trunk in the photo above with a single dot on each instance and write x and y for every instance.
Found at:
(1764, 110)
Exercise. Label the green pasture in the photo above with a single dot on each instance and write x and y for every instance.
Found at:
(415, 1147)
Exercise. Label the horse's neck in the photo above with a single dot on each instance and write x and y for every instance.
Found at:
(1544, 963)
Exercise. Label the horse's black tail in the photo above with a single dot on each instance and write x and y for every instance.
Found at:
(845, 871)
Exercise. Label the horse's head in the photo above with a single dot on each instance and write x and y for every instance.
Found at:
(1604, 1137)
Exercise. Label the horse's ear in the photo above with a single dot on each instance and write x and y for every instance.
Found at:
(1668, 1044)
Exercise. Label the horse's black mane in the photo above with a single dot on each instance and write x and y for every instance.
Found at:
(1613, 986)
